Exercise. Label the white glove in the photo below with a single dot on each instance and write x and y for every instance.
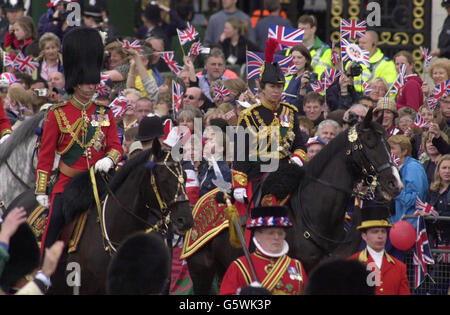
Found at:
(239, 194)
(104, 165)
(297, 160)
(3, 139)
(43, 200)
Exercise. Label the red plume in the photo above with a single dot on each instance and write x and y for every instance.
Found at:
(271, 47)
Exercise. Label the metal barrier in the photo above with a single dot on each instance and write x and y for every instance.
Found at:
(437, 282)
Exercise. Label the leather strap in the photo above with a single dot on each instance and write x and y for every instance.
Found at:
(68, 171)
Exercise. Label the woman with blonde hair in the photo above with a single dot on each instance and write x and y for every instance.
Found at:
(50, 59)
(17, 104)
(431, 155)
(439, 72)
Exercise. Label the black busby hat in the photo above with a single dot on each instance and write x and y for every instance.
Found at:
(275, 216)
(24, 255)
(150, 128)
(374, 216)
(141, 266)
(270, 70)
(13, 5)
(82, 57)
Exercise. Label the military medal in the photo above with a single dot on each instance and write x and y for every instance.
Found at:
(98, 143)
(294, 273)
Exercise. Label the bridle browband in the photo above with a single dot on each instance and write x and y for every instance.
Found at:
(164, 206)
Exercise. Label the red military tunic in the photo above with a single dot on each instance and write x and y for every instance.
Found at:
(393, 278)
(81, 135)
(281, 276)
(5, 124)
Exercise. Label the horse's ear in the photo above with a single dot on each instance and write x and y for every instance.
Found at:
(368, 119)
(380, 119)
(156, 148)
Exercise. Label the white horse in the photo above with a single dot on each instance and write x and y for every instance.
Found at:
(18, 159)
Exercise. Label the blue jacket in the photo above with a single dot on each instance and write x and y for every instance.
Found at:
(415, 184)
(206, 175)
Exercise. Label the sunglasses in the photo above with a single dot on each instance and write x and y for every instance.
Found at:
(191, 97)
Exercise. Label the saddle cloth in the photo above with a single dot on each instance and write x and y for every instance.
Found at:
(209, 220)
(37, 221)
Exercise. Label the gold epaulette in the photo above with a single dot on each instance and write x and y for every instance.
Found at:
(58, 105)
(294, 108)
(247, 112)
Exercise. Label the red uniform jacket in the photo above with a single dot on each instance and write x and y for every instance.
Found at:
(281, 276)
(5, 124)
(393, 279)
(63, 130)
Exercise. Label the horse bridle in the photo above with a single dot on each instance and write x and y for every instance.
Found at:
(162, 226)
(370, 176)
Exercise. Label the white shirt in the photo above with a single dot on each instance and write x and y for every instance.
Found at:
(377, 256)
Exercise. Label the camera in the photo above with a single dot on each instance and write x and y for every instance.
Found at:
(313, 77)
(355, 70)
(41, 92)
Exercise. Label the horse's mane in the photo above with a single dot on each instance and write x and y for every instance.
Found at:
(19, 135)
(315, 167)
(129, 166)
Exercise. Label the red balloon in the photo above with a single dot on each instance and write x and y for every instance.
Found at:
(402, 235)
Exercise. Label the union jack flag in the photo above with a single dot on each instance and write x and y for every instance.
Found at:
(351, 51)
(441, 90)
(8, 59)
(335, 58)
(221, 91)
(102, 88)
(425, 207)
(286, 36)
(420, 122)
(25, 64)
(330, 76)
(426, 56)
(400, 78)
(255, 61)
(422, 253)
(177, 95)
(9, 76)
(353, 29)
(367, 88)
(136, 44)
(319, 86)
(119, 106)
(168, 57)
(187, 35)
(395, 160)
(196, 48)
(287, 65)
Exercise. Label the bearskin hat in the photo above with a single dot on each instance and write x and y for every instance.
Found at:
(141, 266)
(24, 255)
(82, 57)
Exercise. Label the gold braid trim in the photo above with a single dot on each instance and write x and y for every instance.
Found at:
(114, 155)
(5, 132)
(239, 179)
(41, 183)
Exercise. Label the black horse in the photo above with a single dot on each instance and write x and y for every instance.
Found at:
(146, 194)
(323, 189)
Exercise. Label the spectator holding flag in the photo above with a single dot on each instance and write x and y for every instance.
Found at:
(431, 154)
(410, 95)
(439, 72)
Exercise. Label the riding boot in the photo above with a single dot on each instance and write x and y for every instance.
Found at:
(55, 223)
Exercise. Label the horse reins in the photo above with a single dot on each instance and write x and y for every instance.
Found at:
(162, 225)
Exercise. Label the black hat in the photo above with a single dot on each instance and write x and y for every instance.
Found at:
(445, 3)
(275, 216)
(82, 57)
(153, 13)
(13, 5)
(339, 277)
(374, 216)
(92, 11)
(150, 128)
(271, 71)
(141, 266)
(24, 255)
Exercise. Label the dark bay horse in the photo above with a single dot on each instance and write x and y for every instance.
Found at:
(147, 193)
(318, 203)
